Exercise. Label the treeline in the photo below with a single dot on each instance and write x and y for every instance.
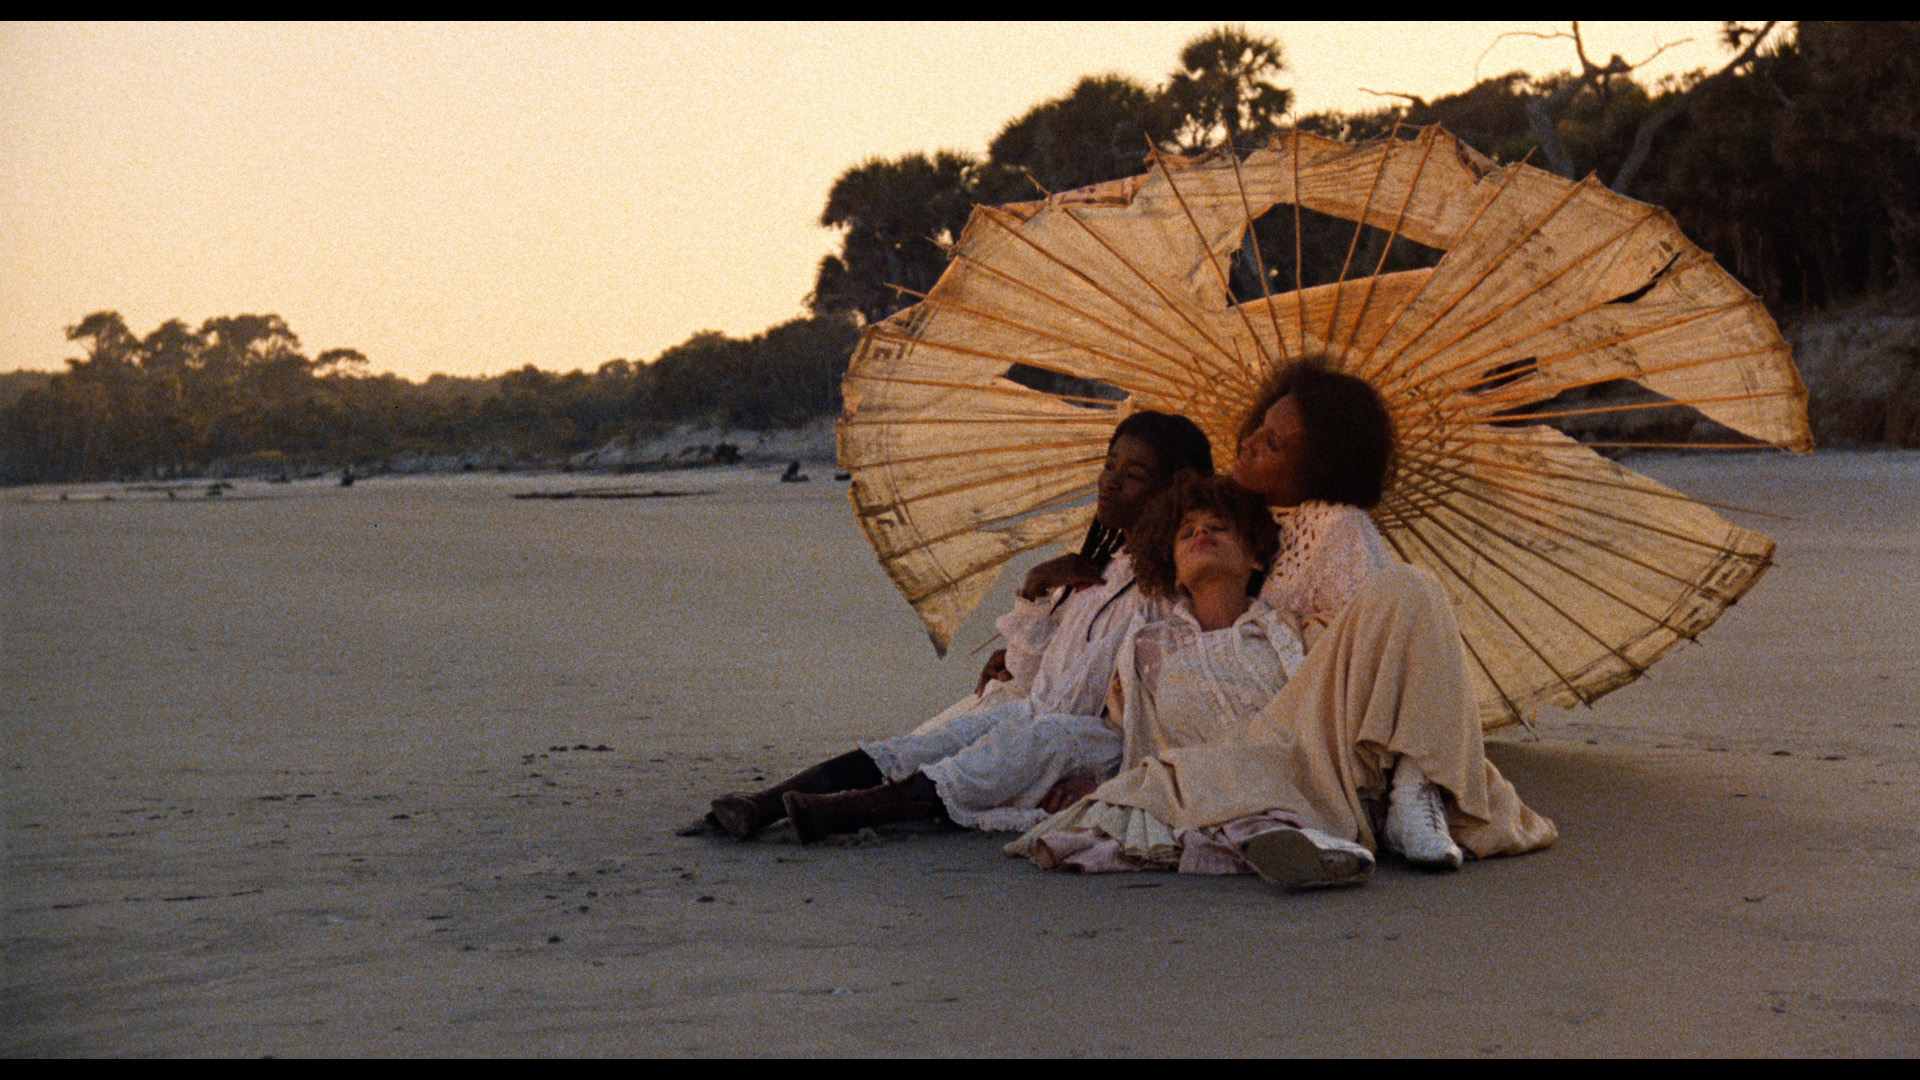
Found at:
(1797, 164)
(240, 391)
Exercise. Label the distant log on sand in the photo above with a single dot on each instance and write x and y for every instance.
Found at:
(607, 493)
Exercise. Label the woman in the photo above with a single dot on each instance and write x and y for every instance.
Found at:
(1381, 692)
(991, 761)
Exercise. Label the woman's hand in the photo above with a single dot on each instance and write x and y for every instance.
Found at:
(995, 671)
(1075, 571)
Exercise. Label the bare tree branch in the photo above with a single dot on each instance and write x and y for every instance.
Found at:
(1650, 127)
(1502, 37)
(1416, 100)
(1661, 49)
(1542, 112)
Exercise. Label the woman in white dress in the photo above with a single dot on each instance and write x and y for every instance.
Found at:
(1267, 740)
(993, 759)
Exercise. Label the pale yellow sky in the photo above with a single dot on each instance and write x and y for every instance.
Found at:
(472, 198)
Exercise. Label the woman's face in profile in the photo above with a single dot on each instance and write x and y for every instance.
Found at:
(1272, 458)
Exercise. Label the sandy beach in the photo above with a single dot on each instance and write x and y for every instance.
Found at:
(397, 769)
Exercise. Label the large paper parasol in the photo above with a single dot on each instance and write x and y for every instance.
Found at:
(1569, 573)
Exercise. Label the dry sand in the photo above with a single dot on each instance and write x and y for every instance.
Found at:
(281, 778)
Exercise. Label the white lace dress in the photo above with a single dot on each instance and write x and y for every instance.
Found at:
(1230, 733)
(993, 756)
(1327, 552)
(1184, 686)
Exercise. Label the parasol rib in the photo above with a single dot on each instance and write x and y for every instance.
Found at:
(1466, 491)
(1472, 586)
(1172, 358)
(1366, 369)
(1175, 307)
(983, 388)
(1543, 364)
(884, 421)
(1299, 266)
(993, 564)
(1537, 330)
(1253, 241)
(903, 500)
(1491, 266)
(1430, 136)
(1640, 405)
(883, 334)
(1360, 225)
(947, 454)
(1226, 287)
(1407, 371)
(1070, 342)
(926, 542)
(1646, 524)
(1102, 290)
(1512, 710)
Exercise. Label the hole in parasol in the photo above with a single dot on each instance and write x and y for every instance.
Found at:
(1323, 242)
(1628, 298)
(1086, 393)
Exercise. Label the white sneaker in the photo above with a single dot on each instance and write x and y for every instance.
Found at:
(1306, 859)
(1417, 822)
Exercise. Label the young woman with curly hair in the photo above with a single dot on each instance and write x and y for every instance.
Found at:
(1263, 732)
(993, 759)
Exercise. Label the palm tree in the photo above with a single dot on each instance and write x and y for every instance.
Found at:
(1222, 87)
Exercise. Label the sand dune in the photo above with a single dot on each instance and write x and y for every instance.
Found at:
(396, 769)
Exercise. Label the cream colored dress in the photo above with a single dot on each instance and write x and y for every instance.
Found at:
(1210, 760)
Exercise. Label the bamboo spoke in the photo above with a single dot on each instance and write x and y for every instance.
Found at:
(1359, 226)
(897, 501)
(970, 453)
(1407, 371)
(1141, 316)
(1429, 137)
(1487, 272)
(1366, 370)
(1489, 558)
(1542, 393)
(1172, 305)
(1158, 373)
(992, 565)
(1487, 602)
(1001, 358)
(1512, 710)
(1549, 527)
(1175, 359)
(1510, 346)
(1643, 524)
(1638, 406)
(1259, 261)
(1226, 286)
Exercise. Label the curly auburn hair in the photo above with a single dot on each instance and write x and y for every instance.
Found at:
(1150, 544)
(1350, 437)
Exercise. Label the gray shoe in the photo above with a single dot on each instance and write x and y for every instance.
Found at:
(1307, 859)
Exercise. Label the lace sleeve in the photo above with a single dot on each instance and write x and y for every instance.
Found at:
(1028, 628)
(1347, 551)
(1327, 552)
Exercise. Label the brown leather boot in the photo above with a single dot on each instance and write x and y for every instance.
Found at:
(816, 817)
(741, 814)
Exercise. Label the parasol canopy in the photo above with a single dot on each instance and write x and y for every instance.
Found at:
(1569, 574)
